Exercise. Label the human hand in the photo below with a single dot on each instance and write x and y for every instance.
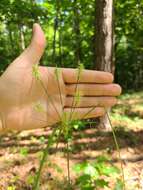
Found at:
(21, 93)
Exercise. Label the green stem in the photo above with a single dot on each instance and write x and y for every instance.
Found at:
(118, 150)
(45, 154)
(73, 102)
(68, 164)
(58, 138)
(42, 84)
(59, 88)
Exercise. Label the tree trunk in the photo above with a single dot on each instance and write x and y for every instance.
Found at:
(104, 42)
(77, 33)
(10, 37)
(22, 39)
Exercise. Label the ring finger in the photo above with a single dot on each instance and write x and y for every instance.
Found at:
(90, 102)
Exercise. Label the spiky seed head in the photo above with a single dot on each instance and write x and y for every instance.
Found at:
(38, 107)
(36, 72)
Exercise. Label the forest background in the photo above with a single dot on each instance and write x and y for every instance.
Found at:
(70, 29)
(75, 27)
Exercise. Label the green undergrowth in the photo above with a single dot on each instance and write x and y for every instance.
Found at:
(101, 173)
(65, 128)
(98, 173)
(128, 113)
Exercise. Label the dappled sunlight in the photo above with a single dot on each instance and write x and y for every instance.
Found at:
(63, 87)
(23, 150)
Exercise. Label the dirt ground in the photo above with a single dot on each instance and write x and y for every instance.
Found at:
(20, 153)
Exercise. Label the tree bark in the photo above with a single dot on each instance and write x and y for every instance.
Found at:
(77, 52)
(22, 38)
(104, 42)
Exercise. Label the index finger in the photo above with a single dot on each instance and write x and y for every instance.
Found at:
(86, 76)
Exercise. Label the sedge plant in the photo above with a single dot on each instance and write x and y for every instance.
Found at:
(66, 125)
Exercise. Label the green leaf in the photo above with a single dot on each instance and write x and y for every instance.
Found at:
(24, 151)
(84, 179)
(102, 158)
(86, 168)
(77, 168)
(42, 139)
(101, 183)
(30, 179)
(110, 170)
(90, 170)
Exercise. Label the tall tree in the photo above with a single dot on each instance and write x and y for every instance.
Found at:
(104, 41)
(77, 32)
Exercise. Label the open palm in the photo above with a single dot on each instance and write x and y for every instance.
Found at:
(28, 101)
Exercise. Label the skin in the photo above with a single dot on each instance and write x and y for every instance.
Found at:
(20, 91)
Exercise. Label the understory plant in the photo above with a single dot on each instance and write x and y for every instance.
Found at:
(91, 173)
(96, 174)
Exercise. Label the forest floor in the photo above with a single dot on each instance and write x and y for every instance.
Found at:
(20, 153)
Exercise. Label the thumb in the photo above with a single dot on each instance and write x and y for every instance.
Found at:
(35, 50)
